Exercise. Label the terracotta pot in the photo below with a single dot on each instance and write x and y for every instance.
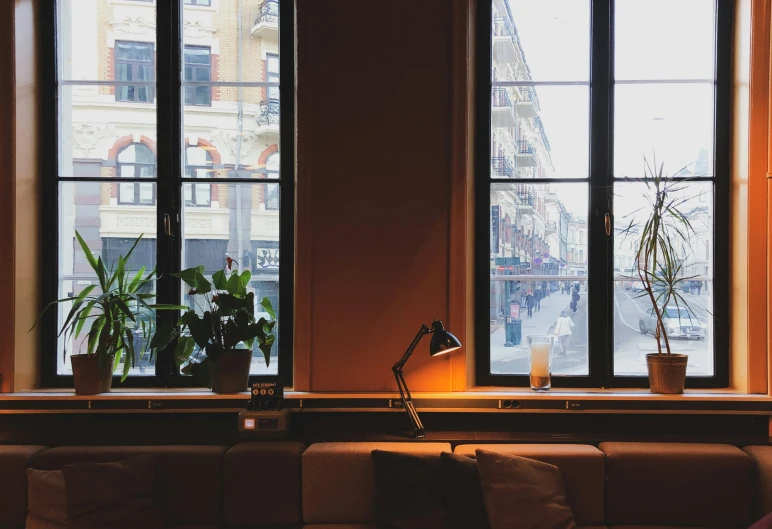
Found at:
(667, 373)
(89, 377)
(230, 372)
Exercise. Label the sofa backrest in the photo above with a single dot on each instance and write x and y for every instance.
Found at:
(678, 484)
(190, 477)
(338, 479)
(14, 461)
(582, 467)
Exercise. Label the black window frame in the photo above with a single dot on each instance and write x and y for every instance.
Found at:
(170, 166)
(600, 267)
(133, 64)
(192, 91)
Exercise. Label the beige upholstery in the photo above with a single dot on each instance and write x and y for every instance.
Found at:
(582, 467)
(762, 456)
(338, 482)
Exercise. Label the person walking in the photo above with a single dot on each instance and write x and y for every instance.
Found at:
(699, 287)
(529, 303)
(539, 295)
(575, 299)
(564, 327)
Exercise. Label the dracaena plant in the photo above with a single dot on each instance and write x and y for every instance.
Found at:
(110, 312)
(221, 316)
(661, 237)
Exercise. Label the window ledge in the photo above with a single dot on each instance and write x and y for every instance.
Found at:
(479, 401)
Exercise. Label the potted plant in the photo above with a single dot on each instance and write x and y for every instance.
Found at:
(224, 328)
(665, 230)
(109, 313)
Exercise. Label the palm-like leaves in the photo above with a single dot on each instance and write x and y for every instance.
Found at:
(115, 309)
(665, 229)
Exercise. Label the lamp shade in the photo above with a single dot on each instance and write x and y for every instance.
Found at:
(442, 341)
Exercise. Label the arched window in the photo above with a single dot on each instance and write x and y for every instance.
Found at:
(272, 166)
(198, 164)
(136, 161)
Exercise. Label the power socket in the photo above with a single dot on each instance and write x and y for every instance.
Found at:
(264, 424)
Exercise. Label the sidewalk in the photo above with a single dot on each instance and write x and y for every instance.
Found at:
(542, 322)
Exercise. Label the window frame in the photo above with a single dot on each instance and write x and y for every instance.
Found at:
(600, 268)
(189, 172)
(133, 64)
(169, 59)
(135, 181)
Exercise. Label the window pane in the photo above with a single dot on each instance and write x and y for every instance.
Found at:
(545, 40)
(692, 332)
(673, 122)
(110, 230)
(540, 132)
(237, 225)
(90, 37)
(94, 128)
(663, 39)
(250, 27)
(238, 148)
(535, 231)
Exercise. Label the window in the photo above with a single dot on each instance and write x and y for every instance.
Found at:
(198, 164)
(198, 69)
(134, 63)
(139, 151)
(569, 105)
(136, 161)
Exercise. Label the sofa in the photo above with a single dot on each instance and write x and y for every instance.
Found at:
(286, 485)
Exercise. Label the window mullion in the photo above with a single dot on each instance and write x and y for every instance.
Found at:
(168, 85)
(600, 262)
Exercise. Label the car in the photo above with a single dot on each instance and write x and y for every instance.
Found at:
(679, 321)
(637, 286)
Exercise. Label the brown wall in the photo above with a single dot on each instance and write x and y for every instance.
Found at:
(374, 151)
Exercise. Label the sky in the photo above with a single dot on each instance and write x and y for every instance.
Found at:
(654, 40)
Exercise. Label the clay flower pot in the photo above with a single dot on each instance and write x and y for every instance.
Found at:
(89, 377)
(230, 372)
(667, 373)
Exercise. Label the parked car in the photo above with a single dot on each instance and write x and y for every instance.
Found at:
(637, 286)
(680, 323)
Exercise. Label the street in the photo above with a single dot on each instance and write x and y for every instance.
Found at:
(630, 345)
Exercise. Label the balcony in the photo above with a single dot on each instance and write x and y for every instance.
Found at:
(550, 227)
(501, 167)
(528, 105)
(504, 50)
(502, 111)
(526, 154)
(267, 21)
(267, 120)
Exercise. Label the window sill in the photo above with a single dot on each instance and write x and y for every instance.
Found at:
(162, 400)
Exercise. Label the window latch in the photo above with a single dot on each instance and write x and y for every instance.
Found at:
(167, 224)
(607, 222)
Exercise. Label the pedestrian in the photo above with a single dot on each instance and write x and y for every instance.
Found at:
(529, 303)
(575, 299)
(539, 295)
(699, 287)
(564, 327)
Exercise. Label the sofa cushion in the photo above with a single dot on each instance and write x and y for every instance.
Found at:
(582, 467)
(189, 477)
(338, 482)
(464, 500)
(762, 456)
(678, 484)
(14, 461)
(47, 499)
(273, 468)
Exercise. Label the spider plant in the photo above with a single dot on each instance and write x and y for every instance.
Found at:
(109, 312)
(664, 231)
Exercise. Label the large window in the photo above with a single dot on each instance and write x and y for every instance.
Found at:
(574, 97)
(192, 169)
(134, 64)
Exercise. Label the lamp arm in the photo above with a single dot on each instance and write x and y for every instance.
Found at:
(404, 392)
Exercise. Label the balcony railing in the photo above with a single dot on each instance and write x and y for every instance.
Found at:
(269, 12)
(500, 97)
(525, 147)
(501, 167)
(526, 197)
(502, 28)
(269, 112)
